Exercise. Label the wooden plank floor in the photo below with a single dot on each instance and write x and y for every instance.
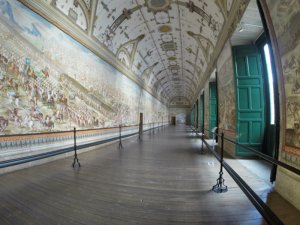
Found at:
(161, 180)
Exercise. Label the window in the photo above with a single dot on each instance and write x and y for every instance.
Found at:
(270, 81)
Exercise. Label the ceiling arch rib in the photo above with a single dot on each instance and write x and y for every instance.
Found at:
(166, 44)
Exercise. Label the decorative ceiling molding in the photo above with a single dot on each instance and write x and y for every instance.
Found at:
(156, 6)
(204, 43)
(146, 75)
(127, 51)
(223, 7)
(87, 3)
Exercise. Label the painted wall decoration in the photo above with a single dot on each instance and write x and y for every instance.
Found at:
(285, 17)
(226, 98)
(179, 101)
(226, 90)
(48, 81)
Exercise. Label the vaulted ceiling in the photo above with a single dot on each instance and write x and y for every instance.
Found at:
(167, 46)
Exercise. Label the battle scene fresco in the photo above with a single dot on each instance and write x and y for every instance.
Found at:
(49, 82)
(285, 17)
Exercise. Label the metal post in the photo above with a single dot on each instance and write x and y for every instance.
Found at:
(140, 132)
(75, 150)
(152, 128)
(220, 187)
(202, 139)
(141, 127)
(120, 137)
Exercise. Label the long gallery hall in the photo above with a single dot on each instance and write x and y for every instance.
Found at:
(149, 112)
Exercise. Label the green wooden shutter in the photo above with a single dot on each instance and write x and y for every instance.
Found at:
(201, 111)
(193, 116)
(250, 103)
(212, 106)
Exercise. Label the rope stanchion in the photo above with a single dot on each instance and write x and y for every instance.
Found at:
(140, 131)
(120, 137)
(220, 187)
(150, 128)
(153, 128)
(76, 160)
(202, 141)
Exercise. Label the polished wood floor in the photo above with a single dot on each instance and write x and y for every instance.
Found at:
(161, 180)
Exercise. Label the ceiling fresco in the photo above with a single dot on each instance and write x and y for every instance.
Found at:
(166, 44)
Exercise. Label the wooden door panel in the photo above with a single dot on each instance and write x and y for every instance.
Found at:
(256, 92)
(256, 137)
(250, 104)
(201, 111)
(212, 106)
(243, 93)
(241, 66)
(254, 65)
(243, 132)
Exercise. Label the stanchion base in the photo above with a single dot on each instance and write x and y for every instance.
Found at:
(76, 160)
(202, 150)
(220, 187)
(120, 145)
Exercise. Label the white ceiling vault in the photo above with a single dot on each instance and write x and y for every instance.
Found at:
(167, 45)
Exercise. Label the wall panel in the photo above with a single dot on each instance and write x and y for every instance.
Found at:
(285, 17)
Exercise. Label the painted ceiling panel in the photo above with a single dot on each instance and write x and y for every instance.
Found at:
(166, 44)
(73, 10)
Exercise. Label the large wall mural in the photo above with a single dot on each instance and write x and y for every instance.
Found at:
(48, 81)
(285, 17)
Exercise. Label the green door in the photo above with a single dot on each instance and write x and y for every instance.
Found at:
(197, 114)
(249, 93)
(201, 111)
(212, 106)
(192, 116)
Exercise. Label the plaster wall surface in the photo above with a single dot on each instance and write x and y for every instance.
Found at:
(285, 17)
(226, 97)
